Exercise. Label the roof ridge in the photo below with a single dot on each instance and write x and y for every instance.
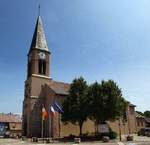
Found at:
(61, 88)
(60, 82)
(7, 117)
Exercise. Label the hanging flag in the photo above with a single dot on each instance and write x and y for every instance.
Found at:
(44, 113)
(54, 108)
(58, 108)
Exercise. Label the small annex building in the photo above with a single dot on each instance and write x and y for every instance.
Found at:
(10, 125)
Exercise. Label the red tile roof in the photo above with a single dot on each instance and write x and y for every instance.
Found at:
(59, 87)
(10, 118)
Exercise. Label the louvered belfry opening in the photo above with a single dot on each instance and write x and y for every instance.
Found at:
(42, 67)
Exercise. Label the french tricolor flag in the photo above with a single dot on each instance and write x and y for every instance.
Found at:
(52, 110)
(55, 108)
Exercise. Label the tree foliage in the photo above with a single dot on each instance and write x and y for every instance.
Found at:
(100, 102)
(75, 105)
(147, 114)
(106, 101)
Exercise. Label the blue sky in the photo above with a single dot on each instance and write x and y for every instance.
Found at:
(98, 39)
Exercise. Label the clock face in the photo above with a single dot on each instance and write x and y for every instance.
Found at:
(42, 55)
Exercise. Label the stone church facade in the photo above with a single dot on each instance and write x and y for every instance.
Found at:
(41, 89)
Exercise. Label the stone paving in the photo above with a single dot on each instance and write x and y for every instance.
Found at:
(138, 140)
(19, 142)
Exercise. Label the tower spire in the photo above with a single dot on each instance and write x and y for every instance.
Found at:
(39, 39)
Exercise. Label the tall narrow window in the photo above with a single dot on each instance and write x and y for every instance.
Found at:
(42, 67)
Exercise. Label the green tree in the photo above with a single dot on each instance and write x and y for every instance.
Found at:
(95, 103)
(106, 101)
(75, 105)
(147, 114)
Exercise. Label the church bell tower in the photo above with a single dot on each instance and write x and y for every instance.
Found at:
(38, 74)
(39, 55)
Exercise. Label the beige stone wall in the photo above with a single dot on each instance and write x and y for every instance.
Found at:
(128, 126)
(66, 130)
(114, 125)
(15, 126)
(131, 119)
(89, 127)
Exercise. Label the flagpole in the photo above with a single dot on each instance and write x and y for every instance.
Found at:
(42, 129)
(55, 108)
(51, 126)
(59, 125)
(49, 123)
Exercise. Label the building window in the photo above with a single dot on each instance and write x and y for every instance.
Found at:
(42, 66)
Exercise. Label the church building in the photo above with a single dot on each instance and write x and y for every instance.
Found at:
(41, 89)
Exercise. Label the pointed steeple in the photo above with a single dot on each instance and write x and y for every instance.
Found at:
(39, 39)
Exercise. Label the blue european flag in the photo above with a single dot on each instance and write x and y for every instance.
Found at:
(56, 107)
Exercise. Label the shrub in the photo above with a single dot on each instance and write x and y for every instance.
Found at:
(112, 134)
(71, 137)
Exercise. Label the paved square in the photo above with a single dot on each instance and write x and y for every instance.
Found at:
(20, 142)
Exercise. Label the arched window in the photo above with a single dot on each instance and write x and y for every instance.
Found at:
(42, 66)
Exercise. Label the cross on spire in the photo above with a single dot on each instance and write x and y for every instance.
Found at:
(39, 9)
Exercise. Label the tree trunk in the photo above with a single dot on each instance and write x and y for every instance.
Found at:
(80, 126)
(96, 128)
